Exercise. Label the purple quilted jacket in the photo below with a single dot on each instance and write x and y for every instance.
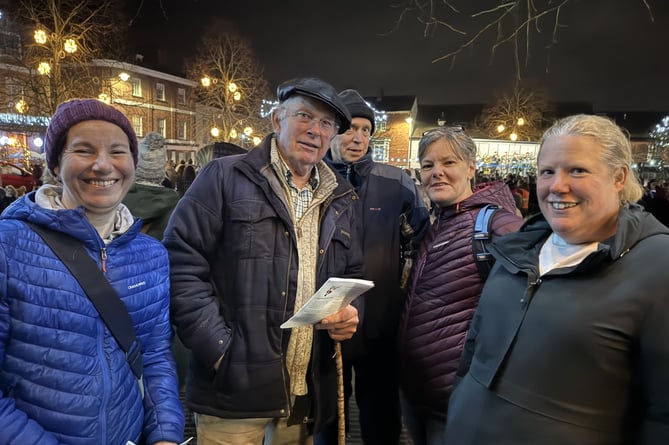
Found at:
(444, 293)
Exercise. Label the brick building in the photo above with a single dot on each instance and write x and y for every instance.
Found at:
(153, 101)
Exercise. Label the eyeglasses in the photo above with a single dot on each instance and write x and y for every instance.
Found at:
(443, 130)
(326, 125)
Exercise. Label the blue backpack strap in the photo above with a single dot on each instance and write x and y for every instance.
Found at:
(481, 236)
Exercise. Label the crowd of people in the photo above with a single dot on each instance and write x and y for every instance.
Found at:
(505, 310)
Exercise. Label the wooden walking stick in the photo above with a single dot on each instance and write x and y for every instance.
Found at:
(341, 427)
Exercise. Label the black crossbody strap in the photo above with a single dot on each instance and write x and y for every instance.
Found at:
(103, 296)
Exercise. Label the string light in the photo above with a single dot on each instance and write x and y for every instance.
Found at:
(23, 120)
(660, 134)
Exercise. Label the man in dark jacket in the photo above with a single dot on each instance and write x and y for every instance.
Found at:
(394, 218)
(251, 240)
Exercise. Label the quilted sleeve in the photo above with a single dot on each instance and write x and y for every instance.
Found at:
(15, 426)
(163, 413)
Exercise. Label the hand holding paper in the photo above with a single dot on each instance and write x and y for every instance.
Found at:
(332, 297)
(342, 324)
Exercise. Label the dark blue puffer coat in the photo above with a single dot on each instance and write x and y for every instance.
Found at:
(63, 377)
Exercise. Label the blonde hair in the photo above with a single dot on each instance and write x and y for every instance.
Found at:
(617, 149)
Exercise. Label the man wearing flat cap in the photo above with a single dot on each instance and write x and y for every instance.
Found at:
(252, 239)
(394, 218)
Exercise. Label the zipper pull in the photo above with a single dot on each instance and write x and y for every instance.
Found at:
(103, 256)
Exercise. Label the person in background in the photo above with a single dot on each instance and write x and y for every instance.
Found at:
(250, 242)
(569, 343)
(187, 177)
(148, 199)
(37, 172)
(63, 376)
(152, 202)
(394, 218)
(170, 178)
(3, 202)
(445, 283)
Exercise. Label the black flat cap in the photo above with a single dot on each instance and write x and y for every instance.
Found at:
(319, 90)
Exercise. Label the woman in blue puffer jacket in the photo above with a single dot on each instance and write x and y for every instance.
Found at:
(63, 377)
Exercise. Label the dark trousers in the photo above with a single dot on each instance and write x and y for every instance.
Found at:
(377, 395)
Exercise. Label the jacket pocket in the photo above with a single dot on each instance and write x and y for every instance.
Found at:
(252, 229)
(338, 252)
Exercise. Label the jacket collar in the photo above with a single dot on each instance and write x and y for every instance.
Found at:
(257, 160)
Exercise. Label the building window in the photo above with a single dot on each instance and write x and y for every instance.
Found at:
(183, 130)
(380, 125)
(137, 87)
(137, 126)
(380, 149)
(160, 91)
(181, 96)
(162, 127)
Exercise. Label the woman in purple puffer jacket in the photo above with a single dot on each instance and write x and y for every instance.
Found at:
(445, 283)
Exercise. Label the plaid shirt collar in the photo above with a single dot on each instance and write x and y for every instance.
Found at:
(300, 199)
(282, 169)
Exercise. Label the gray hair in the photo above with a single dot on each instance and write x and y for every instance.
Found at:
(617, 149)
(463, 146)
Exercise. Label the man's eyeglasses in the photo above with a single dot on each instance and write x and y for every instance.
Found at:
(454, 129)
(326, 125)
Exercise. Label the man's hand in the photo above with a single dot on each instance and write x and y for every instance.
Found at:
(342, 325)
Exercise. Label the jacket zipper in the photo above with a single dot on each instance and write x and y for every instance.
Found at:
(533, 284)
(103, 257)
(286, 389)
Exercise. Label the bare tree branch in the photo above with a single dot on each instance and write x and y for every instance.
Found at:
(524, 112)
(89, 28)
(516, 22)
(236, 87)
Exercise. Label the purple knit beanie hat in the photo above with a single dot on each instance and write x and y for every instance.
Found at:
(70, 113)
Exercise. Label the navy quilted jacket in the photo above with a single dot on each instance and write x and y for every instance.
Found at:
(63, 377)
(445, 289)
(234, 264)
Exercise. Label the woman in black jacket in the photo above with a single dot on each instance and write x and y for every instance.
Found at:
(569, 342)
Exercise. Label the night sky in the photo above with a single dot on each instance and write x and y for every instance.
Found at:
(610, 54)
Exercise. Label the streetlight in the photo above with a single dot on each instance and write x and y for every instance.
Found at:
(51, 48)
(222, 95)
(215, 132)
(40, 36)
(21, 106)
(44, 68)
(70, 46)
